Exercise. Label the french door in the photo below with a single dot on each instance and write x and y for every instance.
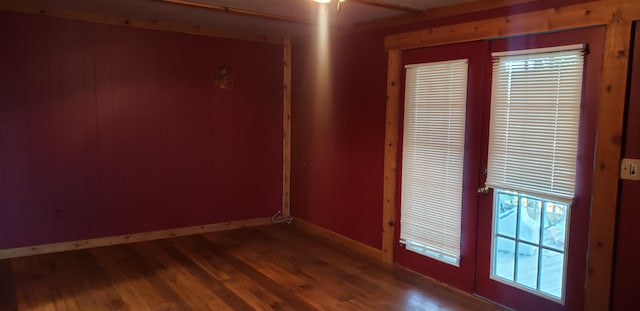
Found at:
(532, 248)
(458, 272)
(524, 249)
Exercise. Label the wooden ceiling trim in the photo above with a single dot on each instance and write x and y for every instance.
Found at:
(570, 17)
(16, 6)
(387, 5)
(438, 13)
(237, 11)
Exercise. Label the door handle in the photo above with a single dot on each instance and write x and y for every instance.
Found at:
(483, 190)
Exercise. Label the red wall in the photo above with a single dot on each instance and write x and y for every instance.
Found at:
(626, 272)
(108, 130)
(337, 162)
(338, 137)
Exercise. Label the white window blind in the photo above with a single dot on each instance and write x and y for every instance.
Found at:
(433, 158)
(535, 113)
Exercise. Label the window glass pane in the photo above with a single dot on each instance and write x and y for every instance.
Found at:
(529, 224)
(507, 213)
(527, 271)
(551, 273)
(520, 257)
(503, 258)
(555, 224)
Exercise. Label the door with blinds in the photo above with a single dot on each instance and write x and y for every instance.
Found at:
(439, 161)
(496, 166)
(540, 138)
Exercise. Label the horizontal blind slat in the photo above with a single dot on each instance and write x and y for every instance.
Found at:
(433, 156)
(535, 112)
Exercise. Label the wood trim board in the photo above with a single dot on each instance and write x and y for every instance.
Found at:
(388, 5)
(588, 14)
(286, 132)
(392, 126)
(20, 7)
(435, 14)
(238, 11)
(130, 238)
(606, 179)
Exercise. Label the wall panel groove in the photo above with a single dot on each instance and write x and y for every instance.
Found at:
(108, 130)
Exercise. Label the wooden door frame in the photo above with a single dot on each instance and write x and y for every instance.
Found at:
(618, 17)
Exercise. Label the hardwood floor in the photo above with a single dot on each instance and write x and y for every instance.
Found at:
(262, 268)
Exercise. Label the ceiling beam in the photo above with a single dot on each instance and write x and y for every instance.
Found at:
(387, 5)
(238, 11)
(436, 13)
(595, 13)
(136, 22)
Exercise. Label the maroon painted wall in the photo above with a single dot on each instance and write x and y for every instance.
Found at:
(107, 130)
(337, 162)
(337, 137)
(627, 257)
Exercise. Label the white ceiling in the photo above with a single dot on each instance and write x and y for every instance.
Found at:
(351, 12)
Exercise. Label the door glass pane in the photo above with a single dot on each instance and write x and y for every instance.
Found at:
(527, 271)
(529, 225)
(552, 262)
(507, 213)
(555, 222)
(529, 242)
(504, 256)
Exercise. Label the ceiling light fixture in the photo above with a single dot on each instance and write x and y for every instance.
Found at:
(338, 2)
(338, 5)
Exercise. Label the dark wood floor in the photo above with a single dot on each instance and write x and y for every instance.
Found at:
(262, 268)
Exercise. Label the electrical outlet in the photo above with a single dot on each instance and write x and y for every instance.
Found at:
(630, 169)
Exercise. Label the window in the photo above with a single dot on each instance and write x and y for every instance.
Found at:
(535, 113)
(433, 158)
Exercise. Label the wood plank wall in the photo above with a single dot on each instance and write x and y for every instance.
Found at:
(109, 130)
